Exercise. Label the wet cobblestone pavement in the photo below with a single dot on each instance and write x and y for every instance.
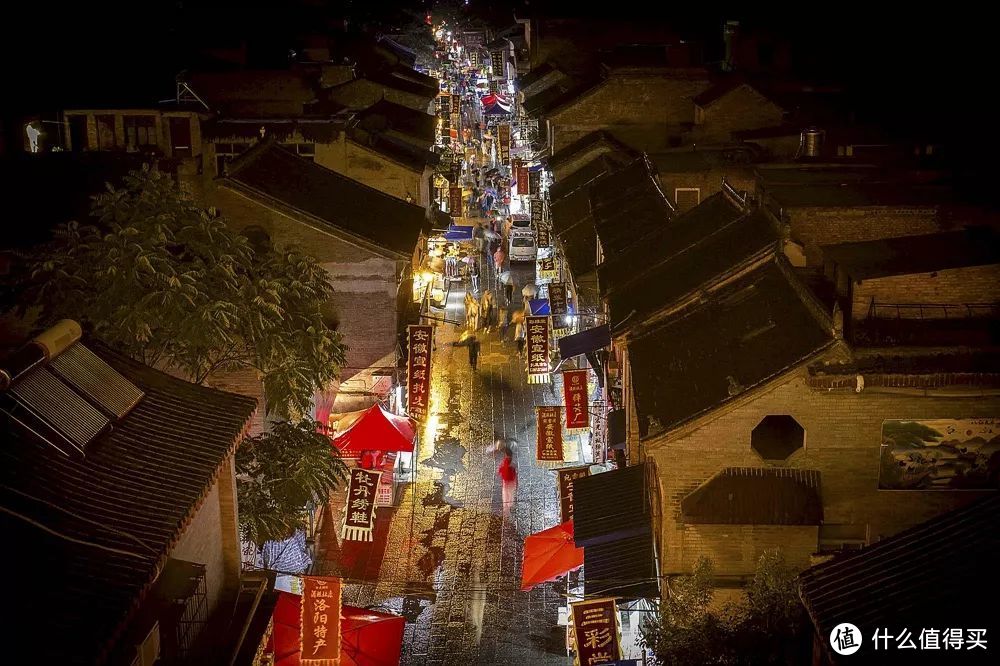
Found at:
(446, 557)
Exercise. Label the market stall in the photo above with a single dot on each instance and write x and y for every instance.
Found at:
(376, 439)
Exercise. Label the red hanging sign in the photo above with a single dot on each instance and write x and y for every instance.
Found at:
(549, 446)
(455, 202)
(576, 402)
(522, 179)
(538, 349)
(566, 478)
(596, 632)
(359, 515)
(319, 638)
(418, 370)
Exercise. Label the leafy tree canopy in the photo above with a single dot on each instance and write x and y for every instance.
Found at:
(161, 280)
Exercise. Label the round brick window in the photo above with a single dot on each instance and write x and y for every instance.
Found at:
(777, 437)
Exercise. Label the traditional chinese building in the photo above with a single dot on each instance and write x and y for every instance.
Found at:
(118, 493)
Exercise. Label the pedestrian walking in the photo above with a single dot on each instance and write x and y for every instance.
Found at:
(507, 471)
(503, 319)
(474, 354)
(499, 257)
(508, 290)
(519, 337)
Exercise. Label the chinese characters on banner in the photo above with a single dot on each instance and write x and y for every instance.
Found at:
(566, 478)
(537, 212)
(456, 104)
(544, 238)
(534, 182)
(549, 446)
(359, 517)
(557, 297)
(522, 179)
(497, 62)
(418, 370)
(455, 202)
(503, 131)
(547, 269)
(575, 394)
(443, 103)
(595, 628)
(538, 349)
(319, 638)
(495, 87)
(474, 57)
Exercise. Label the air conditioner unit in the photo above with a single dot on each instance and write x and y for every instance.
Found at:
(148, 652)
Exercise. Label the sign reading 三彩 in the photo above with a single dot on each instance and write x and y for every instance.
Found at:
(575, 394)
(319, 637)
(359, 516)
(566, 477)
(939, 454)
(548, 445)
(418, 370)
(558, 305)
(596, 631)
(538, 349)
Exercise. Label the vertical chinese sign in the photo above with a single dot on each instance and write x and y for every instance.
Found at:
(418, 370)
(455, 202)
(456, 104)
(535, 182)
(558, 304)
(543, 237)
(566, 477)
(548, 444)
(537, 212)
(503, 132)
(359, 517)
(596, 632)
(522, 178)
(538, 350)
(575, 395)
(319, 639)
(497, 63)
(547, 269)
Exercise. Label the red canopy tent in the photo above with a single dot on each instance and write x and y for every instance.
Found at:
(549, 554)
(377, 430)
(368, 638)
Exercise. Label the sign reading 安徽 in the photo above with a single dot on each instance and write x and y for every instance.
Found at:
(538, 349)
(418, 366)
(548, 445)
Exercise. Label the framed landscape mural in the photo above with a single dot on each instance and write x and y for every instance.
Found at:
(940, 454)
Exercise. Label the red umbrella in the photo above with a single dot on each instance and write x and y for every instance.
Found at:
(368, 638)
(549, 554)
(377, 430)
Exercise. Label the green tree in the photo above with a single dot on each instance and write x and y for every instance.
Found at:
(280, 473)
(765, 626)
(160, 279)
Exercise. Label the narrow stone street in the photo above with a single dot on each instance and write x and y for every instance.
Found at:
(449, 561)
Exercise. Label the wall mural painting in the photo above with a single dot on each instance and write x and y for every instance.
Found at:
(940, 454)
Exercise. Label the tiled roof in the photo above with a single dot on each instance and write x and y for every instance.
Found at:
(397, 150)
(702, 159)
(627, 206)
(128, 501)
(536, 74)
(611, 506)
(939, 574)
(843, 195)
(271, 172)
(580, 248)
(583, 143)
(406, 80)
(756, 496)
(320, 130)
(255, 92)
(600, 165)
(559, 96)
(741, 336)
(916, 254)
(386, 115)
(707, 257)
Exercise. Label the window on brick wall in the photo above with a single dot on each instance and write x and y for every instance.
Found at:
(140, 132)
(777, 436)
(836, 537)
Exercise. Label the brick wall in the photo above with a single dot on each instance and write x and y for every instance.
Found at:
(742, 109)
(570, 166)
(974, 284)
(842, 441)
(708, 182)
(201, 542)
(815, 227)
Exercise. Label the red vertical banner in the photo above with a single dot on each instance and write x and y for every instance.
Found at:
(455, 202)
(503, 134)
(522, 179)
(319, 638)
(359, 515)
(548, 443)
(576, 400)
(596, 632)
(538, 349)
(566, 477)
(418, 370)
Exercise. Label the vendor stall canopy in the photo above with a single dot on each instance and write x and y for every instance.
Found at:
(374, 429)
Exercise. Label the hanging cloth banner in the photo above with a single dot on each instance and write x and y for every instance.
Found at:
(456, 104)
(566, 477)
(537, 212)
(418, 370)
(544, 238)
(547, 269)
(596, 633)
(538, 350)
(522, 179)
(503, 132)
(558, 305)
(534, 182)
(548, 445)
(455, 201)
(319, 637)
(575, 396)
(497, 63)
(359, 516)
